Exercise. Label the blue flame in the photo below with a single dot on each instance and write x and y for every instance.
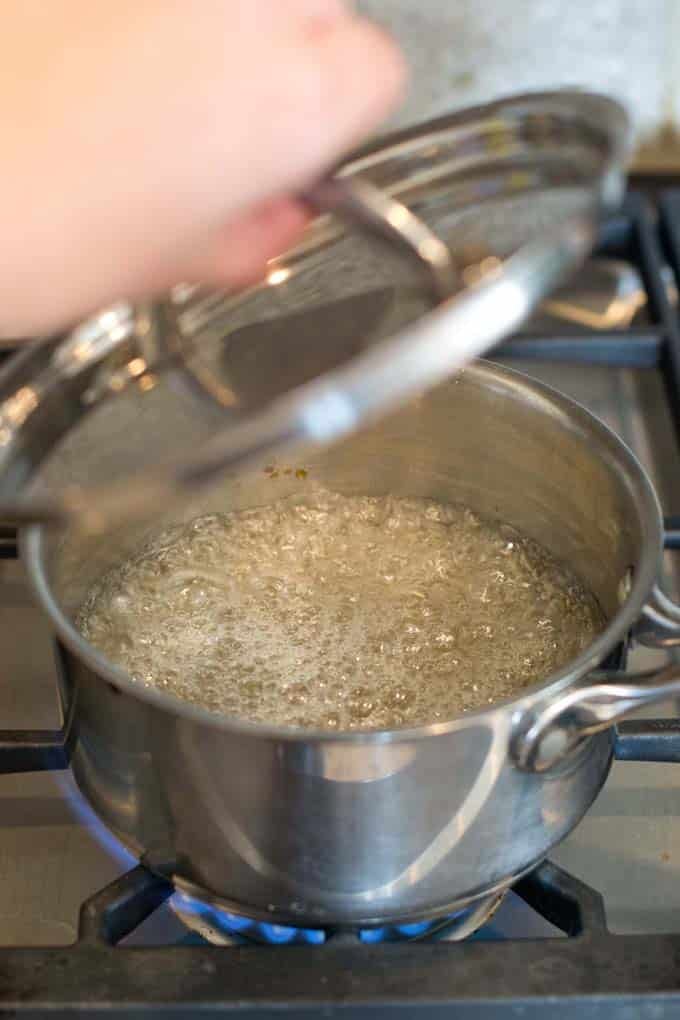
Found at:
(373, 934)
(413, 930)
(277, 934)
(260, 931)
(233, 921)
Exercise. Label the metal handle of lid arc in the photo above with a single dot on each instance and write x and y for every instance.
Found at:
(365, 207)
(546, 734)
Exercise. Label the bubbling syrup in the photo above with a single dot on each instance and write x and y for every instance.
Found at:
(341, 612)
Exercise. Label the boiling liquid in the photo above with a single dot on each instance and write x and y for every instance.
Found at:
(341, 612)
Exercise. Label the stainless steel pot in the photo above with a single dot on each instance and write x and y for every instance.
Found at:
(320, 828)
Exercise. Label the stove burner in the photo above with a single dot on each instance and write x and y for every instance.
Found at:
(220, 927)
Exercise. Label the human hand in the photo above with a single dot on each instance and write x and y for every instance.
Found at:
(151, 141)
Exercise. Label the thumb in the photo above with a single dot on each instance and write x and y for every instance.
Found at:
(333, 86)
(350, 77)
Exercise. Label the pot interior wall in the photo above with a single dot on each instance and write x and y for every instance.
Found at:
(489, 439)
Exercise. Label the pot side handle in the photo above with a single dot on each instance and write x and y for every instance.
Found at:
(659, 623)
(544, 735)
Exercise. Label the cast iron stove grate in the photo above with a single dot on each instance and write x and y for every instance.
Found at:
(590, 974)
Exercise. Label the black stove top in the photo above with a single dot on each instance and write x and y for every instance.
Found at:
(582, 971)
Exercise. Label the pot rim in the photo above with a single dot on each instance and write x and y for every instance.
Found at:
(545, 398)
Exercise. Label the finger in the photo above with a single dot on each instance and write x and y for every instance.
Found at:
(330, 90)
(324, 9)
(239, 255)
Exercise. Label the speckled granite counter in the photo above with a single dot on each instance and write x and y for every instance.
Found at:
(462, 52)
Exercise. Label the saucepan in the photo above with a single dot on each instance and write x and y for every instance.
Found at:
(357, 828)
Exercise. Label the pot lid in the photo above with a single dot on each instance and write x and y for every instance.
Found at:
(428, 247)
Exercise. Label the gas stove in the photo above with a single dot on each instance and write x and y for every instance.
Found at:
(593, 932)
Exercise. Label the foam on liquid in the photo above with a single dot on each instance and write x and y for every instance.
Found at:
(341, 612)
